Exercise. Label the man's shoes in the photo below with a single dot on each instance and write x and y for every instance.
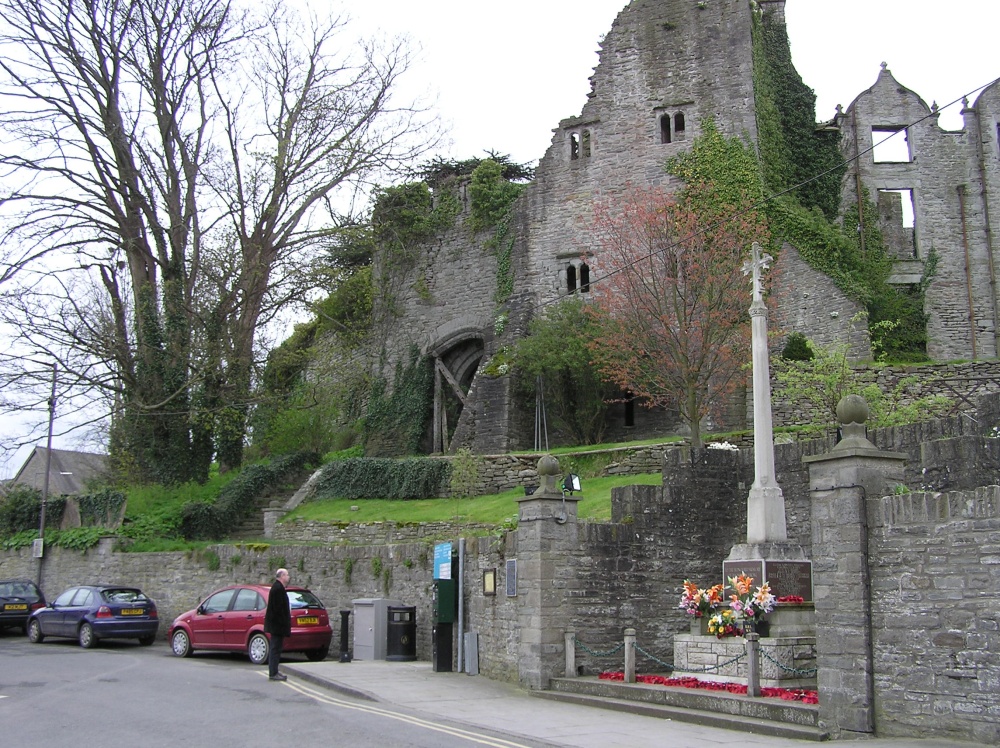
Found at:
(278, 676)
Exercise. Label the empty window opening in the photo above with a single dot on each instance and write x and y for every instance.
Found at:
(571, 279)
(891, 145)
(896, 215)
(679, 125)
(574, 146)
(584, 278)
(630, 412)
(665, 128)
(585, 143)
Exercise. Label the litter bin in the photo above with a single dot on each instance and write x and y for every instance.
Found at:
(401, 634)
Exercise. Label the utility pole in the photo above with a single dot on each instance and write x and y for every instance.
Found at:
(45, 485)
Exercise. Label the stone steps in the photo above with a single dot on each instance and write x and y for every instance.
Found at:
(773, 717)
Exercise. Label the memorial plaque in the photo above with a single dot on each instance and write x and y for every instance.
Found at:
(790, 578)
(785, 577)
(511, 577)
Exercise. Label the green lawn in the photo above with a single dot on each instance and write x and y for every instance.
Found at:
(594, 504)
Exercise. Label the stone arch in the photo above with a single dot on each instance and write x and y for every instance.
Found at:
(456, 356)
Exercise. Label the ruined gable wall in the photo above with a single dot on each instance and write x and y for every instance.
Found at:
(941, 162)
(661, 57)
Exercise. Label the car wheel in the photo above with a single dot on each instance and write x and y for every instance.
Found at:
(86, 637)
(146, 640)
(35, 635)
(180, 643)
(315, 655)
(258, 648)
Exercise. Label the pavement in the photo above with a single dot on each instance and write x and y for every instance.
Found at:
(475, 702)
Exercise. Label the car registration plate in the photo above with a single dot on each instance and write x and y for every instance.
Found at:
(15, 606)
(305, 620)
(132, 611)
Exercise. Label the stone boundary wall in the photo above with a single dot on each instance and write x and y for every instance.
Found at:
(935, 561)
(964, 383)
(178, 581)
(373, 533)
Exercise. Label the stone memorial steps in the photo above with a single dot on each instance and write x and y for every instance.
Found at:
(774, 717)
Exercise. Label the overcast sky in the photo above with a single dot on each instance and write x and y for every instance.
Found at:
(504, 75)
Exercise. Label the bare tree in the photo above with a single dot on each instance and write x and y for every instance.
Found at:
(168, 167)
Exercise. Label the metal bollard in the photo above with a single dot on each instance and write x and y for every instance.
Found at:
(753, 663)
(630, 655)
(345, 655)
(570, 637)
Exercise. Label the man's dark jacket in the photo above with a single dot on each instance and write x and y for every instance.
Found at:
(278, 616)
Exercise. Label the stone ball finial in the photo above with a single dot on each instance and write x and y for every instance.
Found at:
(852, 409)
(548, 465)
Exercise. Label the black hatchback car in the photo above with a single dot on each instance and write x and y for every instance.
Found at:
(95, 612)
(19, 598)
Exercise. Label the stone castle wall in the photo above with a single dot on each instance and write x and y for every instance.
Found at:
(952, 181)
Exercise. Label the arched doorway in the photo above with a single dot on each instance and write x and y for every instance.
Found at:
(455, 366)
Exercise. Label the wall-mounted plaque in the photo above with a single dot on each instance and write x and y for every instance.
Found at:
(489, 582)
(510, 570)
(785, 577)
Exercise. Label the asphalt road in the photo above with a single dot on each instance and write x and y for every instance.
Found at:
(57, 695)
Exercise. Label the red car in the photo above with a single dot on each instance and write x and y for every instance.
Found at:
(232, 620)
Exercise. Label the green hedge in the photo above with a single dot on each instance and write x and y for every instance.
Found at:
(238, 500)
(375, 478)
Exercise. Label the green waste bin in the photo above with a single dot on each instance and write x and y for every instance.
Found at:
(401, 633)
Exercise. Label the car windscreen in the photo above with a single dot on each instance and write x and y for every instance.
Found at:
(123, 595)
(303, 599)
(18, 589)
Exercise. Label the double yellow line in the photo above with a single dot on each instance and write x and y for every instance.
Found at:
(324, 698)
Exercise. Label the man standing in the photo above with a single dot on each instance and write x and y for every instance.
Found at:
(277, 623)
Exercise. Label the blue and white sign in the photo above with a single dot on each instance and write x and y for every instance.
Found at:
(442, 561)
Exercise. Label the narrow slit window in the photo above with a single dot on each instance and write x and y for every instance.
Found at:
(574, 146)
(891, 145)
(630, 412)
(585, 143)
(584, 278)
(679, 125)
(665, 128)
(571, 279)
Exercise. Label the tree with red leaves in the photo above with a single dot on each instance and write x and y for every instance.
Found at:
(672, 297)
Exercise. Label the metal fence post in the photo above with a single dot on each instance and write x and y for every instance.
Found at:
(753, 663)
(630, 655)
(570, 653)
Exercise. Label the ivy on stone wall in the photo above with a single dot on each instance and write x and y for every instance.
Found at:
(804, 167)
(397, 419)
(793, 151)
(492, 196)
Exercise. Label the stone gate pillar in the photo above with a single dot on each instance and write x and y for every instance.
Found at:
(547, 542)
(845, 484)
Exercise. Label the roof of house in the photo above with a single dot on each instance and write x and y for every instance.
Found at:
(69, 471)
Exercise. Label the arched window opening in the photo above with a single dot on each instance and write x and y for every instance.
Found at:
(584, 278)
(665, 128)
(574, 146)
(586, 143)
(571, 279)
(679, 125)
